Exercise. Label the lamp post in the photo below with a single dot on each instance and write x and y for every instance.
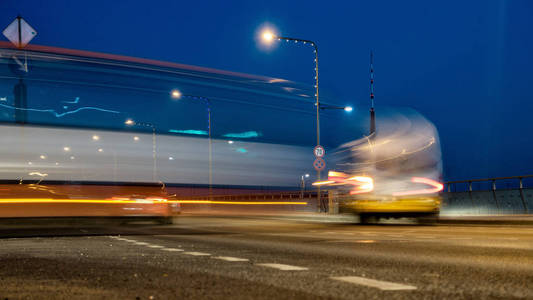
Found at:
(302, 184)
(176, 94)
(269, 36)
(131, 122)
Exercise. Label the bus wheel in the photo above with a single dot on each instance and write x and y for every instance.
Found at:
(165, 220)
(430, 219)
(365, 219)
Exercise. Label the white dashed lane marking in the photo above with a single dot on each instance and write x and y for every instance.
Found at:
(283, 267)
(229, 258)
(140, 243)
(155, 246)
(382, 285)
(197, 253)
(172, 249)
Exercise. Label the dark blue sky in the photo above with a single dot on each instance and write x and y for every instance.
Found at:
(465, 65)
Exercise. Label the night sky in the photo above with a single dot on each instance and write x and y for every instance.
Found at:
(465, 65)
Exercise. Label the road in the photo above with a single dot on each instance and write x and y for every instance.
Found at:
(221, 257)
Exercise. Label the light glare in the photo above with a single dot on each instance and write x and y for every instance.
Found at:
(176, 94)
(268, 36)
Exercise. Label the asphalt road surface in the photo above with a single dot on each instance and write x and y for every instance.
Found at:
(255, 258)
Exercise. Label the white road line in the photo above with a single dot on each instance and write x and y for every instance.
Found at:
(172, 249)
(197, 253)
(382, 285)
(140, 243)
(283, 267)
(154, 246)
(229, 258)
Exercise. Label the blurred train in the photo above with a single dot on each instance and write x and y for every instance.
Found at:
(395, 172)
(86, 134)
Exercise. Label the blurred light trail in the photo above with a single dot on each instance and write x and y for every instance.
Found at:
(38, 174)
(437, 187)
(236, 202)
(323, 182)
(59, 115)
(119, 200)
(243, 135)
(189, 131)
(362, 184)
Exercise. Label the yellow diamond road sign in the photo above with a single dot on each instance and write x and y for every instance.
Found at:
(19, 32)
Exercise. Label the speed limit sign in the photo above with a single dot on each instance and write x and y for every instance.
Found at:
(319, 151)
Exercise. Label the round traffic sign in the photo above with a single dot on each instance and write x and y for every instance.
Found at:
(319, 151)
(319, 164)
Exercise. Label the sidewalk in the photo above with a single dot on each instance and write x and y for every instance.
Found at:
(487, 219)
(349, 218)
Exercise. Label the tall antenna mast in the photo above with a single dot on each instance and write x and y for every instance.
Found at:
(372, 113)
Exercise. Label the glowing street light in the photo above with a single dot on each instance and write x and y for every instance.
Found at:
(302, 184)
(348, 108)
(268, 36)
(176, 94)
(129, 122)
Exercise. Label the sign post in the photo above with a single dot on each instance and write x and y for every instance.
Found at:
(319, 164)
(20, 33)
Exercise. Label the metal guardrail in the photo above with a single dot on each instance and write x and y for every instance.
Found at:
(451, 189)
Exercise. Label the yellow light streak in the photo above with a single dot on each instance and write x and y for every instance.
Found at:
(141, 201)
(323, 182)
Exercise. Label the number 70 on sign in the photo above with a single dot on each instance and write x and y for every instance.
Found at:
(319, 151)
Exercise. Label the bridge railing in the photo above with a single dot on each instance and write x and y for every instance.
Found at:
(303, 201)
(497, 195)
(280, 196)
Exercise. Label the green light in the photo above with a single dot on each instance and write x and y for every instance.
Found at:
(189, 131)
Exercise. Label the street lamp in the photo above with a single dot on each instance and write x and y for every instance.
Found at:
(176, 94)
(302, 184)
(268, 37)
(130, 122)
(345, 108)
